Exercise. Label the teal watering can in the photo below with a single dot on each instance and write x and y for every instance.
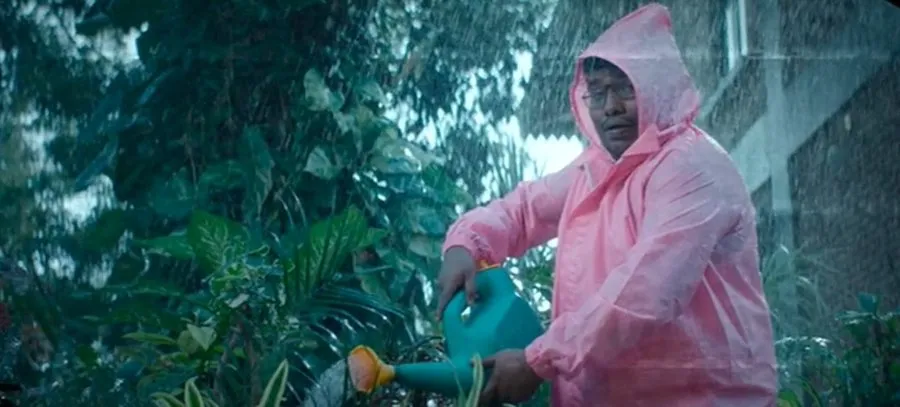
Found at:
(499, 320)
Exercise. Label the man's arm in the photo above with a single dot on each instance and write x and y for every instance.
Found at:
(690, 207)
(507, 227)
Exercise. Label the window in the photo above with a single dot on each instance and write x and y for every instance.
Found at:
(735, 33)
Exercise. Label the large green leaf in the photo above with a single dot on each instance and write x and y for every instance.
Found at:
(224, 175)
(394, 155)
(203, 335)
(446, 189)
(317, 95)
(424, 219)
(369, 91)
(326, 247)
(175, 245)
(320, 165)
(104, 233)
(151, 338)
(216, 241)
(166, 400)
(274, 391)
(372, 282)
(425, 246)
(127, 268)
(103, 160)
(187, 343)
(258, 164)
(192, 396)
(173, 198)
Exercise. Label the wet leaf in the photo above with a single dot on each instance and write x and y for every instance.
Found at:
(788, 398)
(373, 283)
(274, 392)
(192, 396)
(238, 301)
(370, 91)
(103, 161)
(425, 246)
(175, 245)
(328, 244)
(173, 198)
(424, 219)
(187, 343)
(216, 241)
(151, 338)
(393, 155)
(166, 399)
(320, 165)
(86, 355)
(222, 176)
(105, 232)
(258, 163)
(317, 95)
(203, 335)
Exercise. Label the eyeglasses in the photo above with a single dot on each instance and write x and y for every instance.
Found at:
(596, 99)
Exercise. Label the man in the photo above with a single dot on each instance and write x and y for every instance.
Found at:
(657, 297)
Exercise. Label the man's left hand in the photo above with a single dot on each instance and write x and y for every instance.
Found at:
(512, 379)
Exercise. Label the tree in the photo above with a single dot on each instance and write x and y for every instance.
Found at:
(264, 207)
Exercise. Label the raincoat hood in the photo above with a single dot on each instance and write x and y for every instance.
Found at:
(641, 44)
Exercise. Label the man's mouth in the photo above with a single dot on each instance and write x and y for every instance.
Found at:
(616, 129)
(612, 125)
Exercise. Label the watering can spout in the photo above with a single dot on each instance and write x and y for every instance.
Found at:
(368, 372)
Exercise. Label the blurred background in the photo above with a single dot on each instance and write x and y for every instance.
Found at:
(199, 192)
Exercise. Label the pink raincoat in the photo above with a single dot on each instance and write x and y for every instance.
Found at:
(657, 298)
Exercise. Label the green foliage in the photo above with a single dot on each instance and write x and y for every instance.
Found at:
(191, 396)
(262, 206)
(862, 368)
(790, 282)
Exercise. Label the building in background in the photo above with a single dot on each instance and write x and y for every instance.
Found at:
(804, 94)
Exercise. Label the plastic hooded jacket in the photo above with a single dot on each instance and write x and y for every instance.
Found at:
(657, 297)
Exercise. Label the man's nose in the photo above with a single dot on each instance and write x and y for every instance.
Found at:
(613, 105)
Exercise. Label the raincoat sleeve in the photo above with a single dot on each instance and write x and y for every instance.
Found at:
(507, 227)
(690, 209)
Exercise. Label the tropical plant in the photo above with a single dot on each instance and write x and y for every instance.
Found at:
(790, 280)
(191, 396)
(259, 204)
(860, 369)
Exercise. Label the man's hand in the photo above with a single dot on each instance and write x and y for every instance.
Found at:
(512, 379)
(457, 273)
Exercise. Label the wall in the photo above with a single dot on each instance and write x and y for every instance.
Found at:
(834, 73)
(765, 230)
(845, 183)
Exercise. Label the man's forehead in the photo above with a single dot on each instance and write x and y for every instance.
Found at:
(605, 74)
(598, 69)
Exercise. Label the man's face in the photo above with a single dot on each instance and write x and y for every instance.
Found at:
(611, 101)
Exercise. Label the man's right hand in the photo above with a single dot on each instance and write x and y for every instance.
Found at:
(457, 273)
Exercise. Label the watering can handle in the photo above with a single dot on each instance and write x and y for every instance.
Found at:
(486, 265)
(459, 307)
